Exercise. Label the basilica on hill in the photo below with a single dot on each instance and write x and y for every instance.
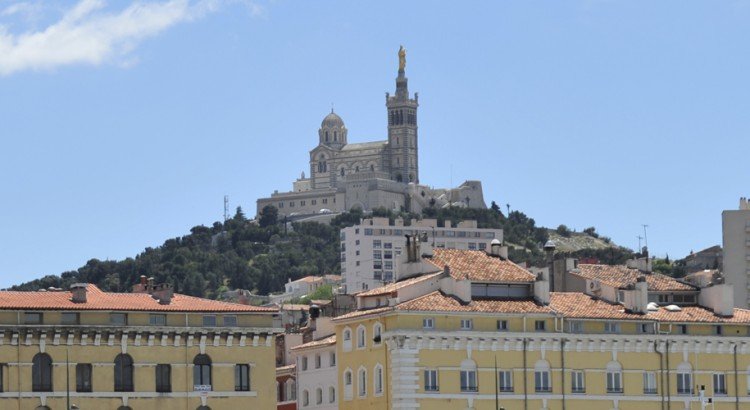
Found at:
(369, 175)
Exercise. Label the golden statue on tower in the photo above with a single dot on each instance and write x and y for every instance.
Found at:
(401, 58)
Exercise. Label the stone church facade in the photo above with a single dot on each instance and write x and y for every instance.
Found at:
(370, 175)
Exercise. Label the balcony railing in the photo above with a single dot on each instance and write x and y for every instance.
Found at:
(431, 388)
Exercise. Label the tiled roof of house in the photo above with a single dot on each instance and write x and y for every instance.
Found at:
(360, 313)
(438, 302)
(478, 266)
(620, 276)
(309, 279)
(96, 299)
(328, 341)
(394, 287)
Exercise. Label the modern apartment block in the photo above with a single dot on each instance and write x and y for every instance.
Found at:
(736, 243)
(150, 349)
(370, 251)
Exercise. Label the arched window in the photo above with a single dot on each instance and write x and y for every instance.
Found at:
(378, 380)
(362, 382)
(348, 378)
(41, 372)
(342, 172)
(356, 169)
(372, 167)
(331, 394)
(684, 378)
(542, 381)
(614, 377)
(202, 370)
(326, 136)
(123, 373)
(305, 398)
(377, 329)
(335, 136)
(361, 334)
(318, 396)
(468, 376)
(348, 384)
(291, 390)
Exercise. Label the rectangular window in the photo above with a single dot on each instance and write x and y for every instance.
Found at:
(377, 254)
(482, 246)
(163, 378)
(645, 328)
(118, 319)
(575, 327)
(209, 320)
(388, 265)
(318, 361)
(304, 363)
(472, 246)
(388, 245)
(281, 204)
(71, 318)
(332, 359)
(32, 318)
(684, 383)
(242, 377)
(378, 380)
(301, 203)
(542, 382)
(230, 321)
(467, 324)
(682, 329)
(314, 201)
(718, 330)
(577, 381)
(428, 323)
(614, 382)
(468, 380)
(291, 204)
(611, 327)
(388, 254)
(663, 298)
(157, 320)
(83, 377)
(377, 244)
(502, 325)
(431, 380)
(649, 383)
(325, 200)
(720, 383)
(505, 381)
(540, 325)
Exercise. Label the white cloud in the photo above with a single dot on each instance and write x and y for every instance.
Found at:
(89, 34)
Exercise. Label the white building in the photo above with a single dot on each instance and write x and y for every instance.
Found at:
(370, 251)
(304, 286)
(317, 381)
(736, 237)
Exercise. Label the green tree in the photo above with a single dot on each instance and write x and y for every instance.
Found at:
(269, 216)
(563, 231)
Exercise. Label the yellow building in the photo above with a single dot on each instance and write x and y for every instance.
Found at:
(146, 350)
(472, 330)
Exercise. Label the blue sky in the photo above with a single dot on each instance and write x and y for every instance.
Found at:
(123, 124)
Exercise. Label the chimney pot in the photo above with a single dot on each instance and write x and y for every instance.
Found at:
(78, 292)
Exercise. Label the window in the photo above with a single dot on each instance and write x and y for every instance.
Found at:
(378, 380)
(649, 382)
(577, 381)
(682, 329)
(431, 380)
(468, 380)
(123, 373)
(318, 396)
(332, 359)
(376, 244)
(388, 254)
(428, 323)
(209, 320)
(611, 327)
(361, 333)
(614, 378)
(202, 370)
(645, 328)
(70, 318)
(230, 321)
(290, 390)
(157, 320)
(83, 377)
(542, 383)
(540, 325)
(317, 361)
(376, 330)
(663, 298)
(242, 377)
(348, 378)
(118, 319)
(41, 372)
(720, 383)
(718, 330)
(684, 379)
(377, 254)
(362, 382)
(32, 318)
(505, 381)
(575, 327)
(388, 245)
(347, 336)
(305, 398)
(502, 325)
(331, 394)
(163, 378)
(303, 365)
(467, 324)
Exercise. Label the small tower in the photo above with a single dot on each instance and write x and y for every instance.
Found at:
(332, 132)
(403, 143)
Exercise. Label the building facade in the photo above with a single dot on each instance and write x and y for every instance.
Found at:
(317, 374)
(369, 175)
(482, 333)
(370, 251)
(735, 225)
(147, 350)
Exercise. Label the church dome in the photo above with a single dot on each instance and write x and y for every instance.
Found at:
(332, 120)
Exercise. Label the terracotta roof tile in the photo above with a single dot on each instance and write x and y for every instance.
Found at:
(98, 300)
(328, 341)
(478, 266)
(438, 302)
(621, 276)
(394, 287)
(359, 313)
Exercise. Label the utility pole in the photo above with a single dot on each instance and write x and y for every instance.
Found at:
(226, 208)
(639, 243)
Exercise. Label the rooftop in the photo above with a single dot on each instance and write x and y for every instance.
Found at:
(327, 341)
(364, 145)
(96, 299)
(438, 302)
(394, 287)
(620, 276)
(478, 266)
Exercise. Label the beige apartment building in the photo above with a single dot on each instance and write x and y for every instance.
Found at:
(735, 226)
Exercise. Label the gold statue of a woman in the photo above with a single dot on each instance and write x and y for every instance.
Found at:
(401, 58)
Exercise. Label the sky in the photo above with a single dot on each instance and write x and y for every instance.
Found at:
(123, 124)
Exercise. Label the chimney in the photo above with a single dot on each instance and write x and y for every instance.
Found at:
(78, 292)
(141, 286)
(541, 288)
(162, 292)
(314, 315)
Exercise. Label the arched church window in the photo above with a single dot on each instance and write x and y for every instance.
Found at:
(356, 169)
(326, 136)
(372, 167)
(342, 172)
(399, 178)
(335, 136)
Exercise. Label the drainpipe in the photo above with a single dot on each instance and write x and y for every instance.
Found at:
(736, 382)
(661, 373)
(562, 360)
(669, 384)
(525, 374)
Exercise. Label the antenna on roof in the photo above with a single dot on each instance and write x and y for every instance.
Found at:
(645, 236)
(639, 243)
(226, 208)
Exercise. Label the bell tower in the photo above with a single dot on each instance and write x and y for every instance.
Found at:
(403, 146)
